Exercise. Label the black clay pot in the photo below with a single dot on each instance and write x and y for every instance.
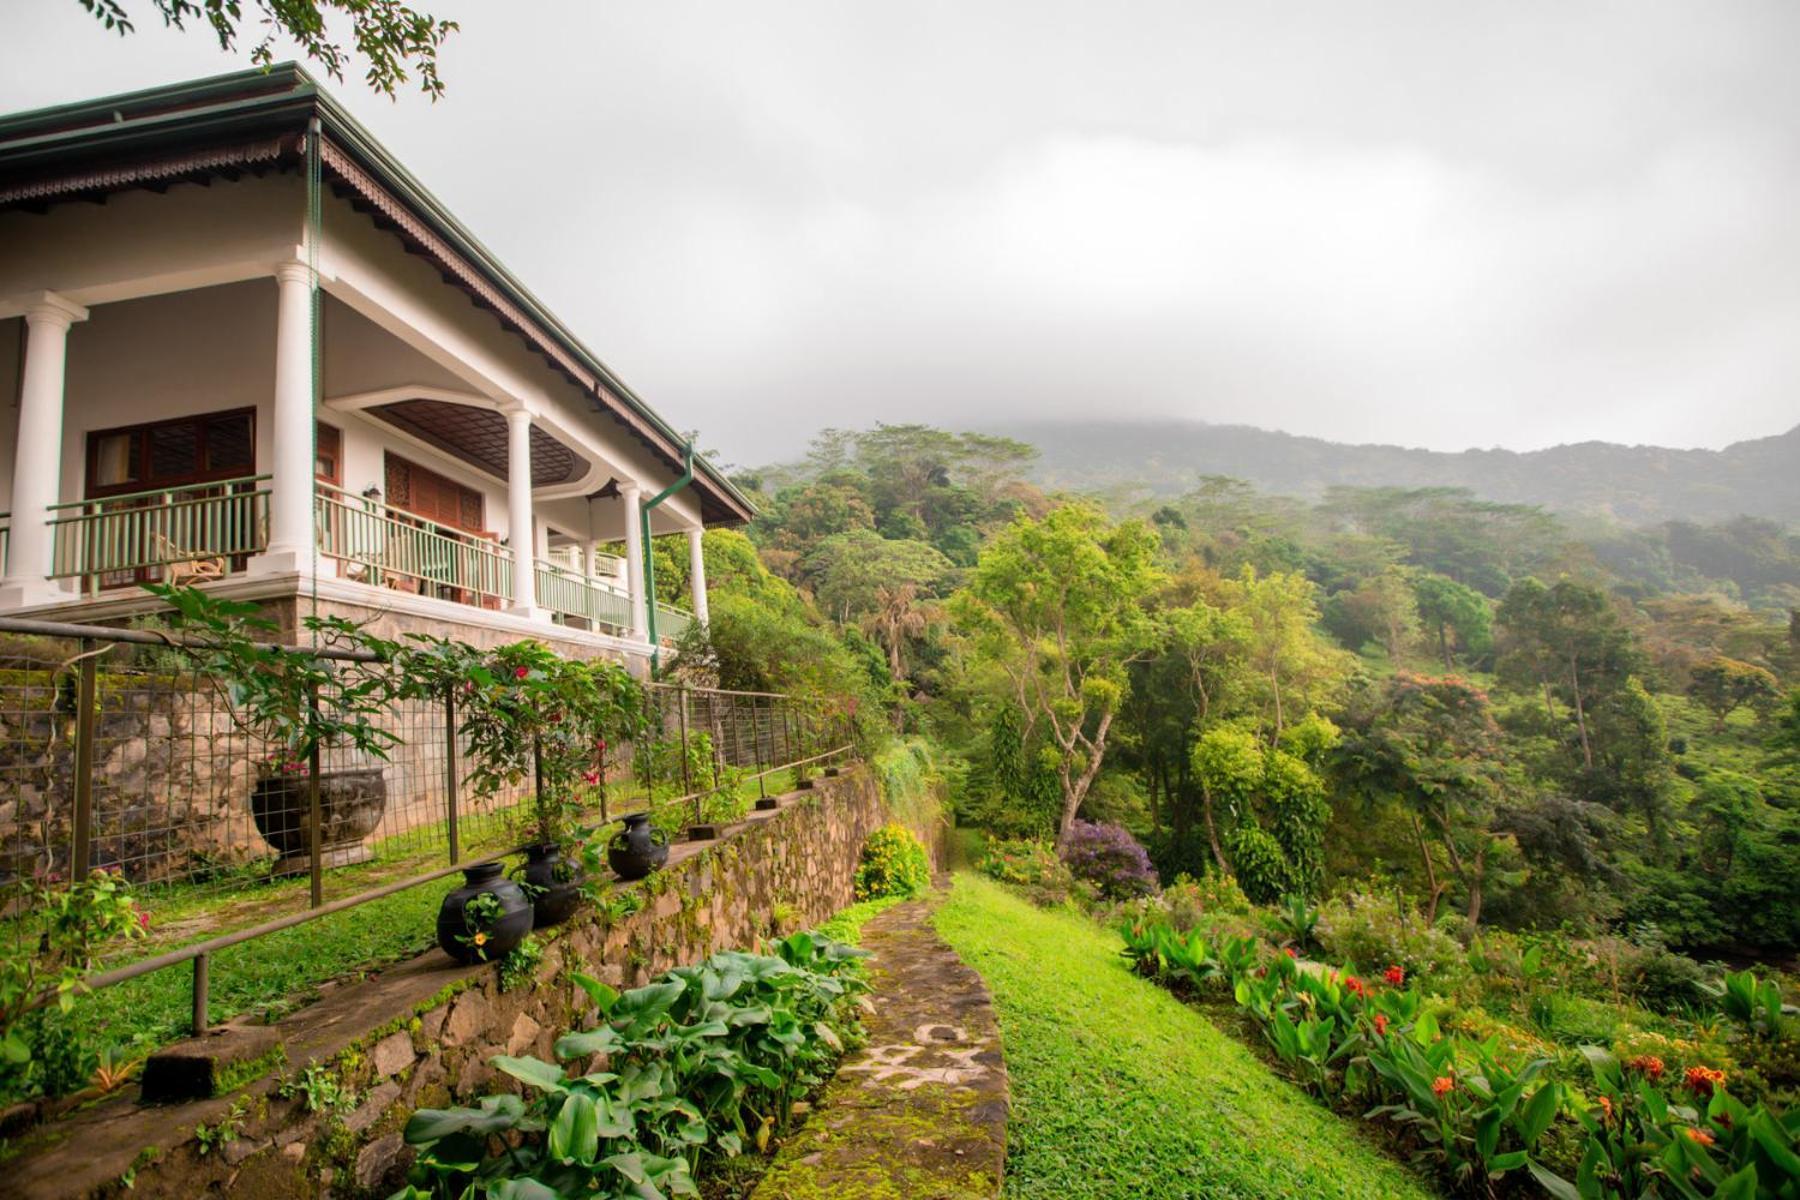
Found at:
(350, 807)
(497, 937)
(554, 882)
(637, 849)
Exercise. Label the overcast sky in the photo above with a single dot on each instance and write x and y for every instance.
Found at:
(1438, 224)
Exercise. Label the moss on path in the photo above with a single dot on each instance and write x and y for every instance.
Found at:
(1121, 1091)
(920, 1112)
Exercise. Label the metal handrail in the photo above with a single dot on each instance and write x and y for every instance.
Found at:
(158, 491)
(394, 547)
(201, 526)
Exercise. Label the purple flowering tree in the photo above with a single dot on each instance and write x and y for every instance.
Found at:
(1108, 857)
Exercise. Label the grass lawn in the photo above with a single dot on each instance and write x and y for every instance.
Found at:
(1121, 1091)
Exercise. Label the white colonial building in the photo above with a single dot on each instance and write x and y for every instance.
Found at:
(434, 449)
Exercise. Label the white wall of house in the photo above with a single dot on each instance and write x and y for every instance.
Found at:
(182, 319)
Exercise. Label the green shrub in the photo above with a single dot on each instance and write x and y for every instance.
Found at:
(1031, 865)
(893, 864)
(1215, 893)
(1373, 933)
(1664, 981)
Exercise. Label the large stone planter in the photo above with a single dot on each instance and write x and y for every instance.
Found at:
(350, 807)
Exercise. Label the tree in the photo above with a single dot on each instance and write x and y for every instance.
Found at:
(897, 619)
(1058, 605)
(1454, 614)
(1565, 639)
(849, 570)
(1272, 802)
(1290, 668)
(1724, 685)
(1380, 608)
(389, 33)
(1433, 744)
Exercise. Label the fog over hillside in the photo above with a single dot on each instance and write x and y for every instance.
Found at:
(1634, 484)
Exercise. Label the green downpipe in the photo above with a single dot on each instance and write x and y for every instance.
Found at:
(687, 477)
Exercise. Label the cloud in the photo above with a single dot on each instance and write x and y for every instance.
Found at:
(1432, 224)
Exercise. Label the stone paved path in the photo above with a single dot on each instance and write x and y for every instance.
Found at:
(920, 1112)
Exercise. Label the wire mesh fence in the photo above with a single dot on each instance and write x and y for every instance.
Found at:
(116, 754)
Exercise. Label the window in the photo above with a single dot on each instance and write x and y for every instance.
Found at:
(170, 454)
(329, 447)
(425, 493)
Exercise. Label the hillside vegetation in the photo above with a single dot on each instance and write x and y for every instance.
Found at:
(1637, 485)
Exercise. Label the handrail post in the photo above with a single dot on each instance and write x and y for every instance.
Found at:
(450, 771)
(316, 832)
(202, 991)
(84, 760)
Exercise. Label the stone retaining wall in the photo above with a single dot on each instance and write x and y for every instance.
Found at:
(421, 1034)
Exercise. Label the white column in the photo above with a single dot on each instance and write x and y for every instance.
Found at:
(518, 504)
(697, 572)
(290, 545)
(37, 462)
(634, 560)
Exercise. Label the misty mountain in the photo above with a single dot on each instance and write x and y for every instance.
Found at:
(1636, 485)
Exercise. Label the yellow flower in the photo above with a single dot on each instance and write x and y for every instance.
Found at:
(480, 939)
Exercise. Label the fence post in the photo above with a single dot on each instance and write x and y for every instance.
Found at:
(687, 783)
(85, 720)
(316, 832)
(756, 744)
(450, 771)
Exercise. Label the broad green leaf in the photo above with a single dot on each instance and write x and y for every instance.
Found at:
(534, 1071)
(573, 1136)
(1558, 1187)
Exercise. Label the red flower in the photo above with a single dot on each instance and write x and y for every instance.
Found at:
(1356, 986)
(468, 685)
(143, 915)
(590, 777)
(1648, 1064)
(1606, 1108)
(1381, 1024)
(1441, 1085)
(1289, 951)
(521, 672)
(600, 745)
(1394, 975)
(1703, 1081)
(1698, 1136)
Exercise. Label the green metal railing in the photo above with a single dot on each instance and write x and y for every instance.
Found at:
(569, 594)
(390, 547)
(196, 532)
(672, 622)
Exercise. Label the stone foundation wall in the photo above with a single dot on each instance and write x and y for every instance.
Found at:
(421, 1035)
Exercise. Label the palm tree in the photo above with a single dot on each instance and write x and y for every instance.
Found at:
(896, 618)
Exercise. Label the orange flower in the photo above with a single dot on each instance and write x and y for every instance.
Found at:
(1441, 1085)
(1606, 1107)
(1355, 985)
(480, 939)
(1703, 1081)
(1381, 1024)
(1648, 1064)
(1698, 1136)
(1394, 975)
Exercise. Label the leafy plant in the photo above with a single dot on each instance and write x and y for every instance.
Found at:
(699, 1064)
(893, 863)
(296, 697)
(72, 923)
(319, 1090)
(519, 968)
(1753, 1003)
(1297, 923)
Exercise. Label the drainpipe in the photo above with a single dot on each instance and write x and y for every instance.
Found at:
(687, 477)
